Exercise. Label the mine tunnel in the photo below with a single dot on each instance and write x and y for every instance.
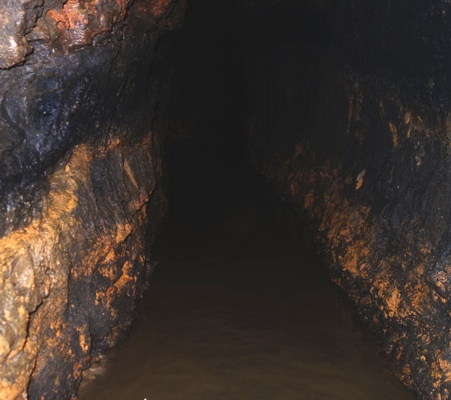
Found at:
(238, 200)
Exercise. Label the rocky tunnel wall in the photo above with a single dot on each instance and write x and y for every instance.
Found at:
(348, 120)
(346, 111)
(83, 89)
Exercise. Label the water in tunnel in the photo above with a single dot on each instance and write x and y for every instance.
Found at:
(240, 305)
(254, 116)
(243, 309)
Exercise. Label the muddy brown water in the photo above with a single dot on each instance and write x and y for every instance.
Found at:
(242, 309)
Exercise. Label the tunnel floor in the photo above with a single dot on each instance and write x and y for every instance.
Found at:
(241, 308)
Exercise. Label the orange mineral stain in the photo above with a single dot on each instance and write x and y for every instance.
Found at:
(159, 7)
(394, 133)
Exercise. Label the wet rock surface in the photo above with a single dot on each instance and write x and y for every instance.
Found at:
(349, 122)
(347, 113)
(79, 165)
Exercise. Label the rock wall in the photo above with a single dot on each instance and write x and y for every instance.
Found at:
(349, 121)
(83, 92)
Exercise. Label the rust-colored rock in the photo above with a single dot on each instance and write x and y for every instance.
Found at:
(78, 23)
(67, 269)
(71, 24)
(349, 122)
(79, 166)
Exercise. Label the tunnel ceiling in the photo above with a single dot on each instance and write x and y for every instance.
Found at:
(342, 107)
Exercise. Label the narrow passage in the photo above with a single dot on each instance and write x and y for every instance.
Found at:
(242, 309)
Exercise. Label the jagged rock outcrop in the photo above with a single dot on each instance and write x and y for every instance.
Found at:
(79, 168)
(349, 122)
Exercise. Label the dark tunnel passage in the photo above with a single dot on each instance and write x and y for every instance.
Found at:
(208, 165)
(240, 305)
(238, 200)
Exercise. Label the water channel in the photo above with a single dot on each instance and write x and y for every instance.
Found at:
(241, 308)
